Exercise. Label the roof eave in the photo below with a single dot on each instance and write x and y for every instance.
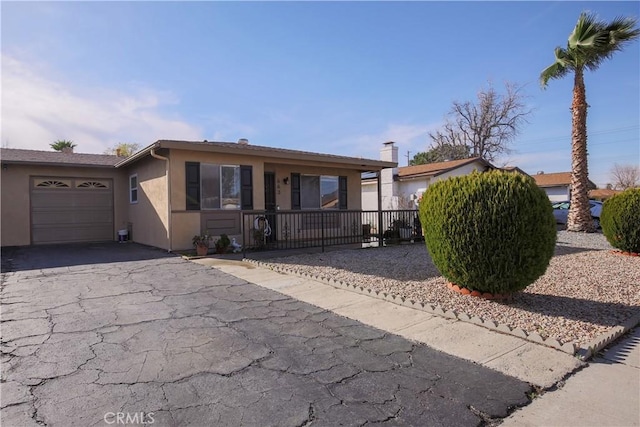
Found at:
(363, 165)
(438, 172)
(137, 156)
(553, 185)
(56, 164)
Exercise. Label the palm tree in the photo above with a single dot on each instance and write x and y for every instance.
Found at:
(591, 43)
(60, 144)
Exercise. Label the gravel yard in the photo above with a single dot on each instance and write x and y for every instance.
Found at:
(586, 290)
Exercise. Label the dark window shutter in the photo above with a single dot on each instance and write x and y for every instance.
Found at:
(192, 178)
(342, 192)
(295, 191)
(246, 187)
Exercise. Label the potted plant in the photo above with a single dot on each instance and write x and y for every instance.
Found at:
(201, 243)
(222, 244)
(391, 237)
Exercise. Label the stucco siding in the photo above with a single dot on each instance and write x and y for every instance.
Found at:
(184, 225)
(557, 194)
(284, 170)
(407, 188)
(369, 196)
(149, 216)
(397, 194)
(178, 158)
(16, 207)
(283, 191)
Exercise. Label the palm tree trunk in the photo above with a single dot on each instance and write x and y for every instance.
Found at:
(579, 218)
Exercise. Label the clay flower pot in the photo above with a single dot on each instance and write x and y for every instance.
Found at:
(202, 250)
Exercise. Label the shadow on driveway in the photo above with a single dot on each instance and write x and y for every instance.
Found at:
(67, 255)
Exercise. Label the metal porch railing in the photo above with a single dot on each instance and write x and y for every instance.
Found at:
(264, 230)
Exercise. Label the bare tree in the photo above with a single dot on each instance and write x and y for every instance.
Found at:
(486, 126)
(441, 153)
(405, 202)
(625, 176)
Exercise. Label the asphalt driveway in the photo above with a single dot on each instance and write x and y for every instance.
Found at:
(114, 334)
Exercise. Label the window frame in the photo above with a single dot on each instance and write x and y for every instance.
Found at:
(320, 178)
(237, 185)
(133, 189)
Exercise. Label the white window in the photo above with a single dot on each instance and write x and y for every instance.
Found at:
(133, 189)
(319, 192)
(220, 186)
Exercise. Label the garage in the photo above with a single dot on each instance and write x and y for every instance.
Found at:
(66, 210)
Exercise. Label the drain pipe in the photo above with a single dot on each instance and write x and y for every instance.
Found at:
(166, 159)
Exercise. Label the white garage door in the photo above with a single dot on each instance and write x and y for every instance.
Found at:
(65, 210)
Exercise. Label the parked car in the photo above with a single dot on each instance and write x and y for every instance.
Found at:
(561, 211)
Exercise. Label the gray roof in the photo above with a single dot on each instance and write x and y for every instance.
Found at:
(257, 150)
(16, 155)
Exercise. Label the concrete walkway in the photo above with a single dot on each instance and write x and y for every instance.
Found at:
(606, 392)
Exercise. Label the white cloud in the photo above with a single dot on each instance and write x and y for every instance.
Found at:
(37, 111)
(408, 137)
(228, 129)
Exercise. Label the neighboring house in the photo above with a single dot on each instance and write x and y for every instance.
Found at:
(602, 194)
(557, 185)
(514, 169)
(167, 192)
(402, 187)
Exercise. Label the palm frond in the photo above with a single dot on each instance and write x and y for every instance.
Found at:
(586, 31)
(593, 41)
(558, 69)
(622, 29)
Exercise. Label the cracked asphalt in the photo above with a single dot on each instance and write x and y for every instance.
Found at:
(89, 332)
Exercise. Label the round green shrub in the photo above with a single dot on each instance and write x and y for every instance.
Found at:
(489, 232)
(620, 220)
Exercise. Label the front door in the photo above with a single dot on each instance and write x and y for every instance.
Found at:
(270, 203)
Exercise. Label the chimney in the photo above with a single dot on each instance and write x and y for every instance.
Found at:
(118, 152)
(388, 190)
(389, 152)
(243, 141)
(67, 150)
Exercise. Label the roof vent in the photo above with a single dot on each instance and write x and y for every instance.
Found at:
(243, 141)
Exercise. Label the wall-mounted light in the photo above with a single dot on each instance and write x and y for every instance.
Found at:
(286, 180)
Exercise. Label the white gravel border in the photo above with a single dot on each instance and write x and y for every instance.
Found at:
(587, 298)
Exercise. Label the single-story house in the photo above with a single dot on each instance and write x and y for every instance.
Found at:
(557, 185)
(402, 187)
(603, 194)
(168, 192)
(514, 169)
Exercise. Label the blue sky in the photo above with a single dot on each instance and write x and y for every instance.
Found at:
(331, 77)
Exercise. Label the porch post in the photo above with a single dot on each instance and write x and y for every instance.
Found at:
(379, 182)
